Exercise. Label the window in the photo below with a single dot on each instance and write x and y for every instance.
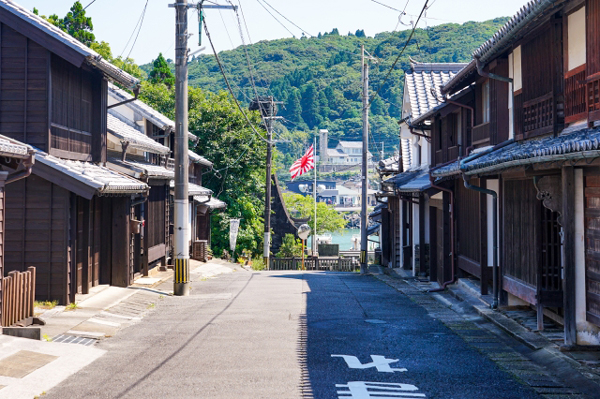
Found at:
(485, 102)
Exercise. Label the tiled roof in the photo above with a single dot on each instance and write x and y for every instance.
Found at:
(447, 170)
(138, 168)
(103, 180)
(195, 158)
(135, 138)
(90, 55)
(213, 203)
(195, 189)
(389, 165)
(13, 149)
(147, 111)
(373, 229)
(580, 145)
(420, 82)
(402, 178)
(503, 37)
(417, 184)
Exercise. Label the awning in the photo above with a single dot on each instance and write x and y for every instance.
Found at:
(140, 169)
(134, 137)
(85, 179)
(195, 189)
(582, 144)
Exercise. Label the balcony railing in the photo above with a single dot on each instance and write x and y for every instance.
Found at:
(538, 115)
(452, 153)
(593, 97)
(481, 134)
(575, 89)
(170, 164)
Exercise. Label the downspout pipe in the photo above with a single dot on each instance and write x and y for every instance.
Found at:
(496, 275)
(28, 163)
(452, 243)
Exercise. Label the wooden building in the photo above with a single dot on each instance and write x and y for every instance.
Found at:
(53, 92)
(151, 126)
(523, 117)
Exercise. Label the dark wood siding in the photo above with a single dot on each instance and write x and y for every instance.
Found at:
(156, 222)
(592, 248)
(23, 88)
(71, 114)
(37, 227)
(2, 235)
(522, 213)
(468, 215)
(593, 36)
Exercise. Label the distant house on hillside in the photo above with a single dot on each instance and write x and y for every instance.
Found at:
(345, 153)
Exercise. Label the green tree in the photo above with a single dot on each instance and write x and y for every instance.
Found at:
(310, 105)
(76, 24)
(290, 247)
(328, 219)
(161, 73)
(293, 108)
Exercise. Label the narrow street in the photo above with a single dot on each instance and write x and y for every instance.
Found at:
(282, 335)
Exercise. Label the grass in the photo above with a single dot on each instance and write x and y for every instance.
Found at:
(258, 264)
(47, 338)
(72, 306)
(45, 304)
(151, 306)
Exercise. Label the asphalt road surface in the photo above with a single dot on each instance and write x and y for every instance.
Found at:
(290, 335)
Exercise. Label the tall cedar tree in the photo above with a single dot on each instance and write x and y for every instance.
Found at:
(161, 73)
(75, 23)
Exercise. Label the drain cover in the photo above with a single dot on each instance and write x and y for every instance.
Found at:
(375, 321)
(73, 339)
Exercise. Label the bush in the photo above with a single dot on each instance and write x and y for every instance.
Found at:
(290, 247)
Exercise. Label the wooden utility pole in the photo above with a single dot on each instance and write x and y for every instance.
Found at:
(181, 236)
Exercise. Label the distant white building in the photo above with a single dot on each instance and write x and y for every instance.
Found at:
(345, 153)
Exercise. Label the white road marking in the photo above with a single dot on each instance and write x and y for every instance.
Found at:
(379, 362)
(380, 390)
(104, 322)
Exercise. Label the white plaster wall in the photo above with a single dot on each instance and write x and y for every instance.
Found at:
(401, 248)
(415, 150)
(517, 79)
(425, 152)
(576, 38)
(587, 333)
(492, 184)
(415, 232)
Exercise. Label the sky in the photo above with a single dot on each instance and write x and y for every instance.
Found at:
(114, 20)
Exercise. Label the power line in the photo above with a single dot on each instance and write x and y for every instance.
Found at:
(93, 1)
(385, 5)
(286, 18)
(275, 18)
(401, 52)
(139, 23)
(229, 86)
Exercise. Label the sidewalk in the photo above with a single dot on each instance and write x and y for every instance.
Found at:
(28, 368)
(535, 359)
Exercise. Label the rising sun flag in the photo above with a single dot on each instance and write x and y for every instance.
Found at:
(304, 164)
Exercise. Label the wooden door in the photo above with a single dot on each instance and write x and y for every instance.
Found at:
(79, 246)
(97, 240)
(549, 285)
(439, 231)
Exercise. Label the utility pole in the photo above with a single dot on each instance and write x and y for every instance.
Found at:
(365, 178)
(267, 108)
(181, 249)
(364, 244)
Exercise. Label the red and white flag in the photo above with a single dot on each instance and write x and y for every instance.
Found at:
(304, 164)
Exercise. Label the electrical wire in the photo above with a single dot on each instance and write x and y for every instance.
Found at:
(385, 5)
(93, 1)
(139, 23)
(229, 86)
(275, 18)
(286, 18)
(401, 52)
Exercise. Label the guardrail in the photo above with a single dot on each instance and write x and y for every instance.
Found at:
(18, 294)
(338, 264)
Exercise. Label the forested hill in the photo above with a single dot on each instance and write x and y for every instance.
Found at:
(318, 78)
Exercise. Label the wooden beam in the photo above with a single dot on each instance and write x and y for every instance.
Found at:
(568, 224)
(422, 252)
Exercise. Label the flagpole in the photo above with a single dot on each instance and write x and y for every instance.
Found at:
(315, 197)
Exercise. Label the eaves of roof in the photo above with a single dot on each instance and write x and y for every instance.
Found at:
(90, 56)
(579, 145)
(11, 148)
(134, 137)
